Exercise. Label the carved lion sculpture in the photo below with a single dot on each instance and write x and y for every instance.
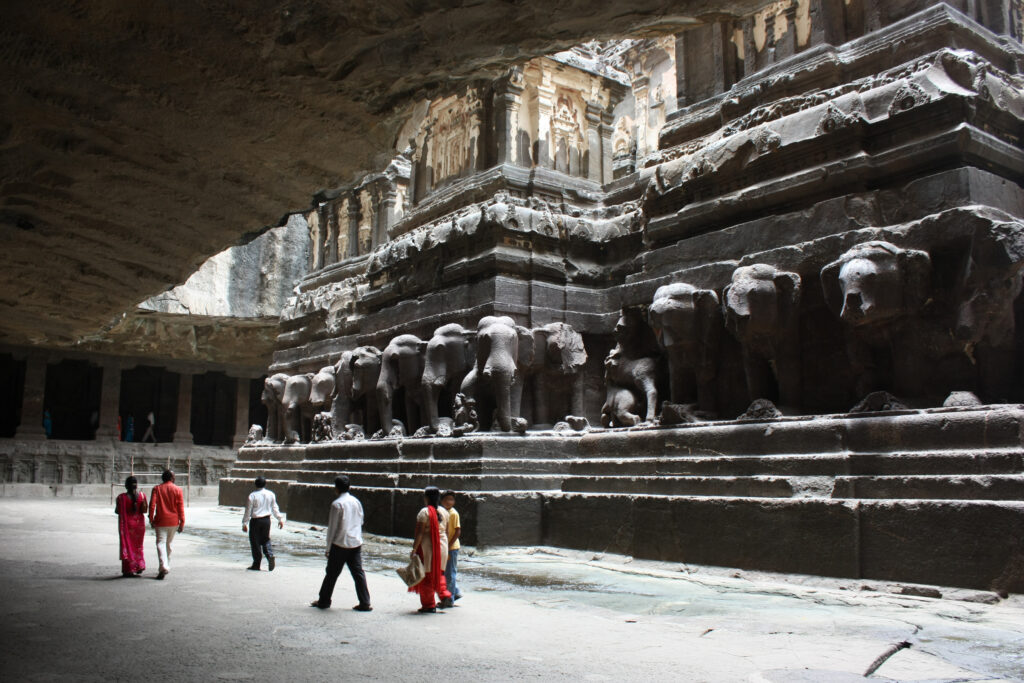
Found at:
(629, 375)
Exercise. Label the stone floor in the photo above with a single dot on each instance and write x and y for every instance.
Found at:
(528, 614)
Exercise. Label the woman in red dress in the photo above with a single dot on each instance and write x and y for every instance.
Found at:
(431, 544)
(131, 527)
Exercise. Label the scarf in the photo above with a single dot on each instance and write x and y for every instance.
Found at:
(435, 569)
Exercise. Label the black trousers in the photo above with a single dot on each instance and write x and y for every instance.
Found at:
(259, 539)
(336, 561)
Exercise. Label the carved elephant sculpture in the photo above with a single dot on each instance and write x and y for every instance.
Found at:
(558, 360)
(401, 368)
(448, 359)
(687, 322)
(272, 398)
(504, 351)
(298, 413)
(877, 289)
(762, 309)
(629, 373)
(355, 390)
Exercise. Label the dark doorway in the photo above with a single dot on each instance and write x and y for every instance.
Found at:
(213, 409)
(12, 386)
(145, 389)
(73, 399)
(257, 411)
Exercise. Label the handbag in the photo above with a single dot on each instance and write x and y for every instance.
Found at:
(413, 572)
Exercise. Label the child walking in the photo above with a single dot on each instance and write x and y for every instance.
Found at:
(451, 571)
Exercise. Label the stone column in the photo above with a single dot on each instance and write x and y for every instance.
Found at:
(241, 413)
(607, 118)
(353, 225)
(507, 100)
(594, 145)
(376, 219)
(31, 426)
(331, 249)
(110, 401)
(183, 430)
(545, 110)
(388, 212)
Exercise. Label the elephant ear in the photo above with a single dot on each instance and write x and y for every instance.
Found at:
(831, 287)
(916, 267)
(727, 313)
(343, 374)
(708, 306)
(526, 349)
(788, 286)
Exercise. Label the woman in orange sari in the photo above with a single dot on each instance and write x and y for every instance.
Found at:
(431, 544)
(131, 527)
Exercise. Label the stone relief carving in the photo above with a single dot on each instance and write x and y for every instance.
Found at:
(630, 371)
(687, 323)
(559, 356)
(448, 358)
(762, 309)
(876, 288)
(401, 370)
(504, 351)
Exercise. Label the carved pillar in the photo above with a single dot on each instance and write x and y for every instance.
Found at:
(31, 426)
(607, 118)
(241, 413)
(183, 429)
(331, 248)
(506, 118)
(388, 212)
(110, 401)
(594, 145)
(545, 110)
(640, 95)
(376, 219)
(353, 225)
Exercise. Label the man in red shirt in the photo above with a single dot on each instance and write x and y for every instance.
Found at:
(166, 516)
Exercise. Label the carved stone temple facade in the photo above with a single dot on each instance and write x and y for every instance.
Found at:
(744, 296)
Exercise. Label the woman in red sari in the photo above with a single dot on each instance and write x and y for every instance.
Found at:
(131, 527)
(431, 544)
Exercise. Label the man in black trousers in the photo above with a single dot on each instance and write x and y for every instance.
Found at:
(256, 520)
(344, 546)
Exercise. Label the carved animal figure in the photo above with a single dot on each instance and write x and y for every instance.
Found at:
(321, 391)
(504, 351)
(687, 322)
(877, 289)
(355, 391)
(629, 373)
(762, 308)
(401, 368)
(448, 359)
(559, 357)
(298, 413)
(272, 397)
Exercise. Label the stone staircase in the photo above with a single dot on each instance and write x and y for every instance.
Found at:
(933, 496)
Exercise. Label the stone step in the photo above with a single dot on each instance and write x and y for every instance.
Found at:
(746, 487)
(458, 482)
(972, 487)
(477, 465)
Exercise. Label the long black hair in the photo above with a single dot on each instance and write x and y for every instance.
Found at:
(433, 496)
(131, 484)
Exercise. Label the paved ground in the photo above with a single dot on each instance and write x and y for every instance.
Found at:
(67, 615)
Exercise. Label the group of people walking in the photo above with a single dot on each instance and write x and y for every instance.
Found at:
(435, 541)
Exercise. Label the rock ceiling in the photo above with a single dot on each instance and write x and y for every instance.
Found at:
(137, 139)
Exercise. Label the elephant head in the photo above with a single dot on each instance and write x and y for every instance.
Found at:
(401, 367)
(504, 352)
(762, 306)
(448, 359)
(272, 397)
(761, 301)
(876, 282)
(687, 322)
(297, 408)
(321, 390)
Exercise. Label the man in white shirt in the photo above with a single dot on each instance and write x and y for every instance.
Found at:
(344, 546)
(258, 509)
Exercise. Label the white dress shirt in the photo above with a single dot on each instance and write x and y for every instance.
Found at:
(261, 503)
(345, 528)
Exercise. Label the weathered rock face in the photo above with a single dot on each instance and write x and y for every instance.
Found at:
(139, 140)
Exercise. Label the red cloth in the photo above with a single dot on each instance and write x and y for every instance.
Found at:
(131, 531)
(167, 505)
(433, 582)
